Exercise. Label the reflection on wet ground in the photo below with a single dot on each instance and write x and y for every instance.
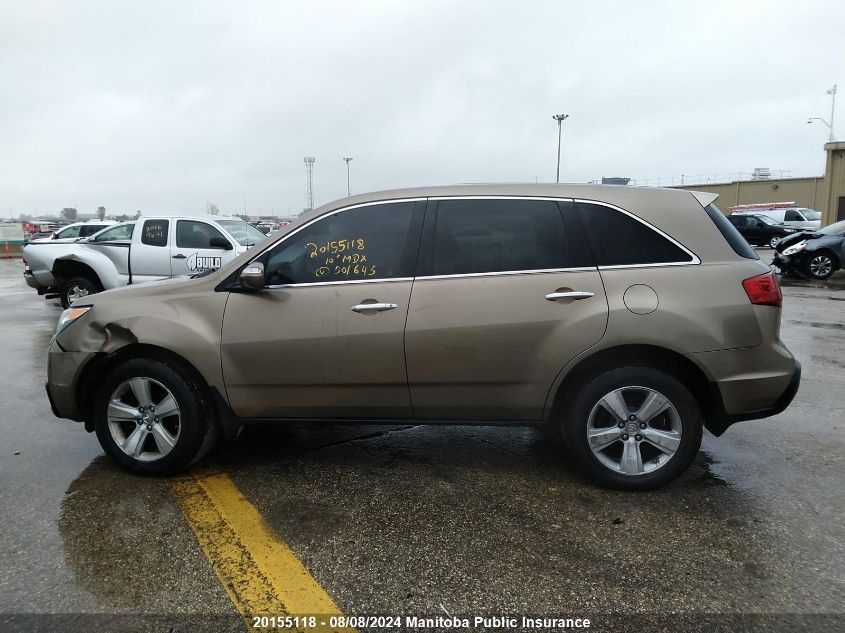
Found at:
(415, 519)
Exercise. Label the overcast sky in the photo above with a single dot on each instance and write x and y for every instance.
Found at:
(165, 106)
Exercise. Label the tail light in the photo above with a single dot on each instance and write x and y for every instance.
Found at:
(763, 290)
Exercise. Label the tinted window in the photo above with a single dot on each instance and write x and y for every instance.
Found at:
(737, 220)
(736, 241)
(793, 216)
(754, 223)
(620, 240)
(372, 242)
(155, 232)
(194, 234)
(482, 236)
(122, 232)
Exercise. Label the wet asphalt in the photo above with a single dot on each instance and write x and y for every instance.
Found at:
(427, 520)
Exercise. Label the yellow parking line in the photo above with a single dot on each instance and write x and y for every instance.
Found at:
(261, 574)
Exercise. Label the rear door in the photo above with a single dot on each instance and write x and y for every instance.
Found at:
(506, 295)
(192, 250)
(150, 252)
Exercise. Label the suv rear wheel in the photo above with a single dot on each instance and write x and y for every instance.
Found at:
(152, 417)
(633, 428)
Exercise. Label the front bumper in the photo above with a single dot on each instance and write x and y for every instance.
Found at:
(63, 372)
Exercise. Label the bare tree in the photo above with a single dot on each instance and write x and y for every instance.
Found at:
(212, 208)
(101, 213)
(69, 213)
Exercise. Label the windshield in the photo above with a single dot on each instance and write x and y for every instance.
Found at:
(837, 228)
(243, 232)
(71, 231)
(811, 215)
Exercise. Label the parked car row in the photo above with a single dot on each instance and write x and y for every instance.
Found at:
(148, 249)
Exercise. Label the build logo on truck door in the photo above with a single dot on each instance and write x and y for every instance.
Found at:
(199, 262)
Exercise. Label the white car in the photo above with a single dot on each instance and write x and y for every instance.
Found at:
(149, 249)
(796, 217)
(77, 230)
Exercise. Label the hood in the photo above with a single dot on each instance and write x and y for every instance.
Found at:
(796, 237)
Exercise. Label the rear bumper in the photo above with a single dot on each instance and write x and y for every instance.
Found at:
(749, 383)
(780, 404)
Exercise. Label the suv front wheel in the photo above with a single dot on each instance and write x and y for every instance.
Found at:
(152, 418)
(633, 428)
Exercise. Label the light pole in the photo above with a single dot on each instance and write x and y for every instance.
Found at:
(348, 190)
(560, 118)
(831, 92)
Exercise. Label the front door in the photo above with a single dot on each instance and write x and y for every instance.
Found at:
(192, 251)
(507, 295)
(325, 338)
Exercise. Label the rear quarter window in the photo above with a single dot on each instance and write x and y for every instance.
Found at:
(619, 239)
(738, 243)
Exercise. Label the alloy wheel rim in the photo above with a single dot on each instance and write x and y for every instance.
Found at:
(820, 265)
(144, 419)
(774, 241)
(634, 430)
(77, 292)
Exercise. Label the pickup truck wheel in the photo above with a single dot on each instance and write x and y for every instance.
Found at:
(76, 288)
(153, 418)
(633, 428)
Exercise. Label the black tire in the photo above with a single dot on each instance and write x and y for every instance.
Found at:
(585, 398)
(75, 284)
(196, 432)
(819, 265)
(773, 241)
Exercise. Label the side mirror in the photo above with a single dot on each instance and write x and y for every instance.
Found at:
(252, 276)
(220, 242)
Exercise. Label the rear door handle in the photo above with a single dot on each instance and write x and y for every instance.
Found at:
(373, 307)
(572, 294)
(178, 256)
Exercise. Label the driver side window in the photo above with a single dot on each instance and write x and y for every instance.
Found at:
(371, 242)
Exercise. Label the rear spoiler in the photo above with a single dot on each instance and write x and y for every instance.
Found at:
(704, 197)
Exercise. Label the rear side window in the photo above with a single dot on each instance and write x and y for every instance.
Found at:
(89, 229)
(155, 232)
(729, 232)
(621, 240)
(737, 220)
(484, 236)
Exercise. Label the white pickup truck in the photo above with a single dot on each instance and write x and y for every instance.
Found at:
(148, 249)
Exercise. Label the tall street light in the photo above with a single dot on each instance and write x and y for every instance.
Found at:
(348, 190)
(560, 118)
(831, 92)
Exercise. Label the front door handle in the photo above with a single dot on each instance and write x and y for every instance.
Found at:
(373, 307)
(572, 294)
(180, 256)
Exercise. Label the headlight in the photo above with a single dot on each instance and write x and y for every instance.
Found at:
(795, 248)
(69, 316)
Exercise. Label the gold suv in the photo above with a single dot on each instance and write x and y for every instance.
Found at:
(627, 318)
